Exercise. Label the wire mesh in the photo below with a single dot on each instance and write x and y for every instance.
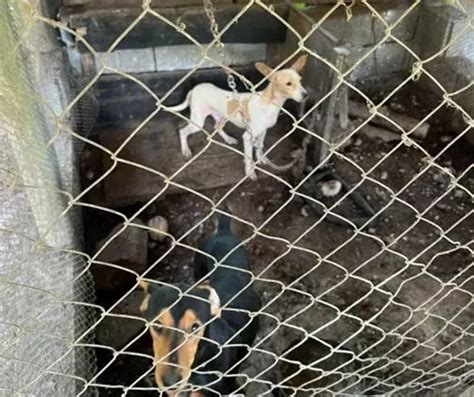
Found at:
(385, 323)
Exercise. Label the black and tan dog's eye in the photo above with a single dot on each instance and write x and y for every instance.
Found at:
(158, 328)
(195, 327)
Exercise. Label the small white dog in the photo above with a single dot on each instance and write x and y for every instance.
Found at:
(256, 113)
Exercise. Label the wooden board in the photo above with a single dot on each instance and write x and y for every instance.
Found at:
(102, 26)
(122, 99)
(157, 146)
(138, 3)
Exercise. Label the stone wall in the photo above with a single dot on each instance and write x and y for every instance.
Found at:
(359, 35)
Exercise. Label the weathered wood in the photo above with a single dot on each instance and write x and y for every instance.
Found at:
(138, 3)
(157, 146)
(323, 2)
(360, 110)
(122, 99)
(103, 26)
(374, 132)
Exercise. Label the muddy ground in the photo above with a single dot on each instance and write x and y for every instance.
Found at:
(397, 293)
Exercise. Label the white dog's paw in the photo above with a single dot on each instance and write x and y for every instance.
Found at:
(264, 160)
(186, 153)
(231, 141)
(251, 174)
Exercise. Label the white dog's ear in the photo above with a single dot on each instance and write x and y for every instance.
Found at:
(300, 63)
(264, 69)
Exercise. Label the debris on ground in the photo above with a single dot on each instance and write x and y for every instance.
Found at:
(374, 132)
(159, 226)
(331, 188)
(417, 128)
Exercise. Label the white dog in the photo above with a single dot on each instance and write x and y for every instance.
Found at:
(256, 113)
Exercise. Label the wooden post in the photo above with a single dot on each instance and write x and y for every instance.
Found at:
(341, 54)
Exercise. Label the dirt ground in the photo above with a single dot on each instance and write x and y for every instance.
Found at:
(398, 293)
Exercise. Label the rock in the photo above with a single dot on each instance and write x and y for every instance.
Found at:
(443, 207)
(371, 230)
(414, 100)
(381, 193)
(446, 138)
(358, 142)
(160, 228)
(260, 208)
(304, 212)
(390, 238)
(397, 107)
(90, 175)
(374, 132)
(440, 178)
(331, 188)
(384, 176)
(458, 193)
(129, 250)
(115, 331)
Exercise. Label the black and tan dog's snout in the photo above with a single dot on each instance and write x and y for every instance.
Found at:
(170, 373)
(177, 327)
(171, 379)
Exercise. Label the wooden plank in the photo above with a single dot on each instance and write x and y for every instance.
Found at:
(157, 146)
(103, 26)
(137, 3)
(122, 99)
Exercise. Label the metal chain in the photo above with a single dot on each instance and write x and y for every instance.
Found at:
(209, 9)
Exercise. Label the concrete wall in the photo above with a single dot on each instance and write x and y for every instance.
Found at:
(359, 35)
(181, 57)
(446, 42)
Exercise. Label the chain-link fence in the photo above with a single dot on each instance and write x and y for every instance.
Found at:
(360, 240)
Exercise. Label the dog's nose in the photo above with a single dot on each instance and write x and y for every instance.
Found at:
(171, 378)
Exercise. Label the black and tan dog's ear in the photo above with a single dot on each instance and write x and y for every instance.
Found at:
(146, 288)
(215, 302)
(300, 63)
(264, 69)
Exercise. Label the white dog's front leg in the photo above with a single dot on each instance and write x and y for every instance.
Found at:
(259, 149)
(248, 158)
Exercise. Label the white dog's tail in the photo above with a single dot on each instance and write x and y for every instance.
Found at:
(181, 106)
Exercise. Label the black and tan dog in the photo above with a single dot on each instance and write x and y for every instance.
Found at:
(189, 330)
